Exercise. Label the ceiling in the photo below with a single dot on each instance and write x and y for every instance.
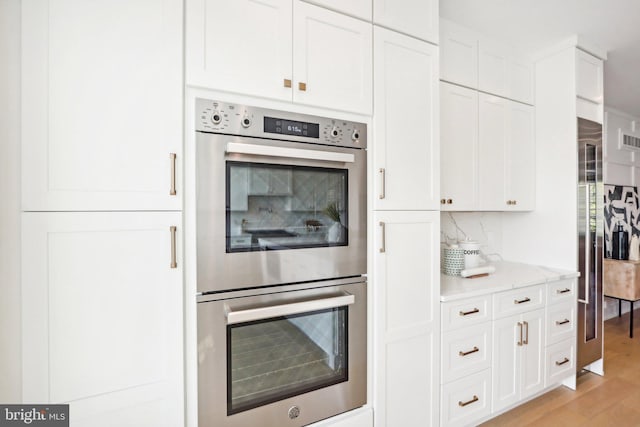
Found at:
(613, 25)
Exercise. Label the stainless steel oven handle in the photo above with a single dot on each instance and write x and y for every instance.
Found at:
(268, 312)
(295, 153)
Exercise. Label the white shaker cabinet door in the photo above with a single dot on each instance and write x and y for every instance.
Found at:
(101, 105)
(589, 77)
(493, 113)
(332, 59)
(417, 18)
(102, 316)
(406, 125)
(507, 363)
(458, 54)
(359, 8)
(458, 147)
(241, 46)
(520, 156)
(493, 67)
(407, 321)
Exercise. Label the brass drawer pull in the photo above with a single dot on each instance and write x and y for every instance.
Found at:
(563, 291)
(527, 299)
(563, 362)
(469, 402)
(383, 247)
(526, 333)
(302, 86)
(520, 325)
(466, 313)
(172, 190)
(287, 82)
(174, 262)
(383, 186)
(563, 322)
(466, 353)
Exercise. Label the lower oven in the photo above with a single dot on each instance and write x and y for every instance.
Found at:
(282, 356)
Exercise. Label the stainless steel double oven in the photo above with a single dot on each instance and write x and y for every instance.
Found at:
(281, 258)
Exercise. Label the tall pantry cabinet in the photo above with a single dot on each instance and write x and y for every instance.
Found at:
(102, 278)
(406, 220)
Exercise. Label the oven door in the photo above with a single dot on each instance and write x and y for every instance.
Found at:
(288, 358)
(276, 212)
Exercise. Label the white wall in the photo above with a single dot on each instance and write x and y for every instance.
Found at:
(10, 354)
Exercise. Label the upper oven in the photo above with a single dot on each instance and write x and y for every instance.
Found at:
(281, 197)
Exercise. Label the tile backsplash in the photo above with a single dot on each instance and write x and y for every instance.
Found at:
(483, 227)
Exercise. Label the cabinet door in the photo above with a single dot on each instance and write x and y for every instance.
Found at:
(332, 59)
(493, 59)
(417, 18)
(520, 162)
(520, 74)
(532, 365)
(101, 104)
(507, 345)
(407, 321)
(458, 147)
(458, 55)
(589, 77)
(102, 316)
(492, 141)
(358, 8)
(241, 46)
(406, 155)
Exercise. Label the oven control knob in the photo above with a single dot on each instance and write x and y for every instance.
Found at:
(246, 122)
(355, 135)
(216, 118)
(334, 132)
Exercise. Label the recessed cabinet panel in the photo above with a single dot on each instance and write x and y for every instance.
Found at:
(520, 158)
(332, 59)
(520, 72)
(458, 147)
(492, 144)
(102, 105)
(589, 77)
(102, 316)
(417, 18)
(406, 155)
(458, 55)
(240, 46)
(493, 59)
(362, 9)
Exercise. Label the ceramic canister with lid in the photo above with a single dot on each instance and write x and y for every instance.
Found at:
(471, 253)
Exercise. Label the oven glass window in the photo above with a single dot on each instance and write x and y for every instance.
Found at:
(273, 359)
(277, 207)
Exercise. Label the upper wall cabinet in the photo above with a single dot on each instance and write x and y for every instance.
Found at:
(406, 155)
(417, 18)
(101, 105)
(321, 58)
(589, 77)
(472, 60)
(359, 8)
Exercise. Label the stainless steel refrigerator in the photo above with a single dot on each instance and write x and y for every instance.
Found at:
(590, 245)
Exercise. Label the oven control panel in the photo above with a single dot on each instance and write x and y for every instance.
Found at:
(242, 120)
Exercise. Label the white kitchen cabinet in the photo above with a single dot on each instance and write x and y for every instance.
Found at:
(589, 77)
(362, 9)
(407, 318)
(101, 105)
(406, 124)
(506, 171)
(287, 50)
(518, 365)
(458, 147)
(417, 18)
(102, 316)
(504, 72)
(458, 54)
(466, 400)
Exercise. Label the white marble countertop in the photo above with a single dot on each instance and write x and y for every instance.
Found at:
(508, 275)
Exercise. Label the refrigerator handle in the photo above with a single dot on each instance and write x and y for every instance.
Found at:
(587, 244)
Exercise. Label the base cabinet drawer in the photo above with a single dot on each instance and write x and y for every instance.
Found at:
(466, 351)
(518, 301)
(561, 323)
(561, 291)
(560, 361)
(466, 312)
(466, 400)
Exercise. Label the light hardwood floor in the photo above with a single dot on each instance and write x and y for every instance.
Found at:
(612, 400)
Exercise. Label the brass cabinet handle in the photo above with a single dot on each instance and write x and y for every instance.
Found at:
(526, 333)
(172, 190)
(522, 301)
(515, 202)
(287, 82)
(565, 321)
(449, 201)
(468, 402)
(466, 353)
(174, 262)
(302, 86)
(520, 341)
(466, 313)
(383, 247)
(443, 201)
(383, 185)
(563, 291)
(563, 362)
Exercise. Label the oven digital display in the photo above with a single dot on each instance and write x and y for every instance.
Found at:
(290, 127)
